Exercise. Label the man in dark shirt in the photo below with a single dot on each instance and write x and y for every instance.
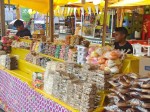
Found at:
(120, 40)
(22, 31)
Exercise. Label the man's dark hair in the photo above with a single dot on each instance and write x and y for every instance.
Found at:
(18, 23)
(122, 30)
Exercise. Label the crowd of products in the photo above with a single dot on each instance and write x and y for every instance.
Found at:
(85, 72)
(74, 85)
(129, 93)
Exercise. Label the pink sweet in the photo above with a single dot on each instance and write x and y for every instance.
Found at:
(91, 49)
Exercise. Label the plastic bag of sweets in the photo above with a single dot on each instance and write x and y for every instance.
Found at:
(38, 80)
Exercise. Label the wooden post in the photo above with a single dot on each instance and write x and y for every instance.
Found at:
(2, 18)
(105, 23)
(47, 25)
(121, 19)
(51, 21)
(18, 12)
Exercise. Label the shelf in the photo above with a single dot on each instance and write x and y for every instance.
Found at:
(55, 59)
(23, 52)
(94, 38)
(26, 40)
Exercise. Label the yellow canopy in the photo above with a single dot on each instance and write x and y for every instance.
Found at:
(38, 5)
(124, 3)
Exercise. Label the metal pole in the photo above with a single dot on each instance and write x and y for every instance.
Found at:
(105, 23)
(51, 21)
(2, 18)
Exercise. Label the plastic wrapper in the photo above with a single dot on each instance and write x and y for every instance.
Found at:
(72, 86)
(2, 52)
(113, 108)
(9, 62)
(141, 109)
(141, 90)
(38, 80)
(129, 93)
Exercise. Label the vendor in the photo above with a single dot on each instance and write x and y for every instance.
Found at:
(22, 31)
(120, 40)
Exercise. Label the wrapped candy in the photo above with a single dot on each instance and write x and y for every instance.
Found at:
(127, 94)
(73, 85)
(38, 80)
(108, 59)
(9, 62)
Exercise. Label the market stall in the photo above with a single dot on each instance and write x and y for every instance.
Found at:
(29, 63)
(70, 75)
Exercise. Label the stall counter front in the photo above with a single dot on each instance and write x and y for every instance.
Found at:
(130, 65)
(14, 87)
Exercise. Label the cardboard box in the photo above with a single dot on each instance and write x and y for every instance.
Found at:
(144, 66)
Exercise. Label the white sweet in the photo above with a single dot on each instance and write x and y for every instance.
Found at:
(114, 70)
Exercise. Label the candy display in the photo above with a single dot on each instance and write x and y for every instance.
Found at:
(73, 40)
(71, 67)
(73, 84)
(107, 58)
(21, 44)
(36, 59)
(82, 54)
(6, 43)
(72, 55)
(129, 94)
(37, 80)
(9, 62)
(2, 52)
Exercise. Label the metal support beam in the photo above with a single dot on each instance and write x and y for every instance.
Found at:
(105, 23)
(2, 18)
(51, 21)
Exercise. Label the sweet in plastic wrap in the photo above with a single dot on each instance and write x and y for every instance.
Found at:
(129, 93)
(107, 58)
(38, 80)
(74, 85)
